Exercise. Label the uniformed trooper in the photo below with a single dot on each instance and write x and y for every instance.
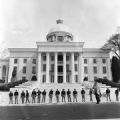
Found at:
(69, 95)
(22, 96)
(38, 96)
(108, 94)
(16, 96)
(90, 93)
(117, 94)
(27, 97)
(57, 93)
(50, 96)
(11, 97)
(83, 94)
(33, 95)
(63, 94)
(43, 96)
(75, 95)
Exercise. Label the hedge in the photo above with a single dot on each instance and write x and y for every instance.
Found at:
(6, 87)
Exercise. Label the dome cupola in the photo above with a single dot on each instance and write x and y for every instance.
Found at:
(59, 33)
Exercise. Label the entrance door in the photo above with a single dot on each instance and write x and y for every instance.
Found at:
(60, 79)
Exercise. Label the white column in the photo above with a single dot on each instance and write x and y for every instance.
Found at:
(39, 68)
(20, 67)
(79, 68)
(64, 67)
(55, 70)
(109, 69)
(11, 63)
(72, 66)
(47, 70)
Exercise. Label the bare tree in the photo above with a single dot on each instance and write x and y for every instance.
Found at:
(113, 44)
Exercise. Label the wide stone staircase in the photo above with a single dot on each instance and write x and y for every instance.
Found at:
(30, 85)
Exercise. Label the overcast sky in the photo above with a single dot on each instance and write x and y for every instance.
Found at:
(23, 22)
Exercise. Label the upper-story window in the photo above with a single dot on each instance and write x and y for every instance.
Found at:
(60, 38)
(24, 60)
(15, 61)
(104, 70)
(24, 69)
(44, 67)
(33, 70)
(34, 61)
(52, 67)
(67, 67)
(44, 57)
(86, 70)
(103, 61)
(67, 58)
(95, 70)
(94, 61)
(76, 57)
(52, 58)
(85, 61)
(76, 67)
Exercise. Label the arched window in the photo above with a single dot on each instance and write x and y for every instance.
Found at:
(34, 78)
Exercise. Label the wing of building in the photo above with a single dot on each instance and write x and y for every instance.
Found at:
(58, 60)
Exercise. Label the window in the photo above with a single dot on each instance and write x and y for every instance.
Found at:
(86, 70)
(15, 69)
(44, 67)
(60, 38)
(94, 61)
(52, 78)
(95, 77)
(76, 68)
(33, 70)
(23, 78)
(52, 58)
(67, 67)
(24, 60)
(104, 70)
(34, 61)
(44, 79)
(24, 69)
(95, 70)
(44, 57)
(67, 58)
(52, 67)
(85, 61)
(76, 57)
(104, 77)
(15, 61)
(68, 78)
(76, 78)
(103, 61)
(60, 58)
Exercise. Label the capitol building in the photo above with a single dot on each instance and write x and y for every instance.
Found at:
(57, 60)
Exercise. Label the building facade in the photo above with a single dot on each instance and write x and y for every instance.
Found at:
(58, 60)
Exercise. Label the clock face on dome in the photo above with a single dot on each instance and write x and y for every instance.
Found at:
(59, 33)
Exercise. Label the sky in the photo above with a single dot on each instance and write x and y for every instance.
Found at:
(23, 22)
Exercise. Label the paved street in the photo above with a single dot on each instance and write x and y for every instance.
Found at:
(61, 112)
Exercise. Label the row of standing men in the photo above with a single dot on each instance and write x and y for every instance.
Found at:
(41, 96)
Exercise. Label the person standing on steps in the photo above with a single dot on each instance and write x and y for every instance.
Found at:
(43, 96)
(63, 94)
(57, 93)
(38, 96)
(69, 95)
(33, 96)
(23, 97)
(108, 94)
(97, 92)
(11, 97)
(27, 97)
(83, 94)
(117, 94)
(75, 93)
(16, 96)
(50, 96)
(90, 93)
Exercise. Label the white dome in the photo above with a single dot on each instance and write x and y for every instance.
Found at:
(60, 27)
